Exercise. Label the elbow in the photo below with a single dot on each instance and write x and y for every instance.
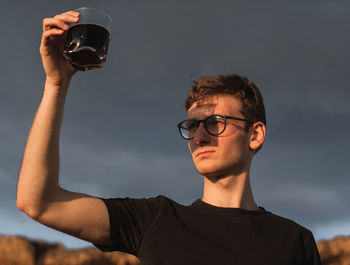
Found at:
(30, 211)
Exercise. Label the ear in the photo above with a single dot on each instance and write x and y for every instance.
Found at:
(257, 135)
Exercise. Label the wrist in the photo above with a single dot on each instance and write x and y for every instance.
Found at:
(59, 86)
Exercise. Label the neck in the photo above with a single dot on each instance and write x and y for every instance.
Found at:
(230, 191)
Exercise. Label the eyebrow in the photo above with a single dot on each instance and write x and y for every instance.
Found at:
(206, 116)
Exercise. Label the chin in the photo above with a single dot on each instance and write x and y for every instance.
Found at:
(209, 172)
(216, 172)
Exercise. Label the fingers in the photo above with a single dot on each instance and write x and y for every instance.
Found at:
(60, 21)
(52, 32)
(73, 13)
(50, 23)
(70, 16)
(57, 26)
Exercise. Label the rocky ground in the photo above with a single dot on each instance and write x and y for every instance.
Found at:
(335, 251)
(22, 251)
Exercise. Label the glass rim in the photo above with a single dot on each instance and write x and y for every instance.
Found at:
(95, 9)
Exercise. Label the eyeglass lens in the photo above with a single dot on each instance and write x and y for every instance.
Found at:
(213, 124)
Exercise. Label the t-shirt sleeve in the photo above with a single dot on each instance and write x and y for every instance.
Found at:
(129, 220)
(311, 250)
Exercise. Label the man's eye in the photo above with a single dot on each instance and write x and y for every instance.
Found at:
(215, 121)
(191, 125)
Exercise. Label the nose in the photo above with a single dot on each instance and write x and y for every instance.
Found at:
(201, 135)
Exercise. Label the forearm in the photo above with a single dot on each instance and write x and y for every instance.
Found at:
(38, 181)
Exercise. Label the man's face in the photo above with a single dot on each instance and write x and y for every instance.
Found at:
(229, 153)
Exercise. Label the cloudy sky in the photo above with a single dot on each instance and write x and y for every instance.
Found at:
(119, 135)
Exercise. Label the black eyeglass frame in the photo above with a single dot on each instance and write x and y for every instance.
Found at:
(197, 122)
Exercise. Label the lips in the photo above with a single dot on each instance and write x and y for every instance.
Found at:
(204, 153)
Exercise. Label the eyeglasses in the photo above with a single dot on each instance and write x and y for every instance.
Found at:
(214, 125)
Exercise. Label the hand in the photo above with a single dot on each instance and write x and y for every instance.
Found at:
(58, 70)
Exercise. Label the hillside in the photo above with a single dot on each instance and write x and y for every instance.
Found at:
(23, 251)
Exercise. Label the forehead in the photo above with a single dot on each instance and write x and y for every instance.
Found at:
(218, 104)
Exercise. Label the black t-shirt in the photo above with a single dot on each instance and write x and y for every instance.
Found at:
(159, 231)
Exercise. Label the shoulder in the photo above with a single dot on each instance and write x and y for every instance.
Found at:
(288, 225)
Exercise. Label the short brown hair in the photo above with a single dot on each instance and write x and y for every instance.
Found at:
(238, 86)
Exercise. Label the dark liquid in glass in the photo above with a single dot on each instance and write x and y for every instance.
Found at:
(86, 46)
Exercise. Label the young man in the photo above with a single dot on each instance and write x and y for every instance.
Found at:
(225, 127)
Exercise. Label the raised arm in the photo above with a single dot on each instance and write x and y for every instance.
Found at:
(38, 192)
